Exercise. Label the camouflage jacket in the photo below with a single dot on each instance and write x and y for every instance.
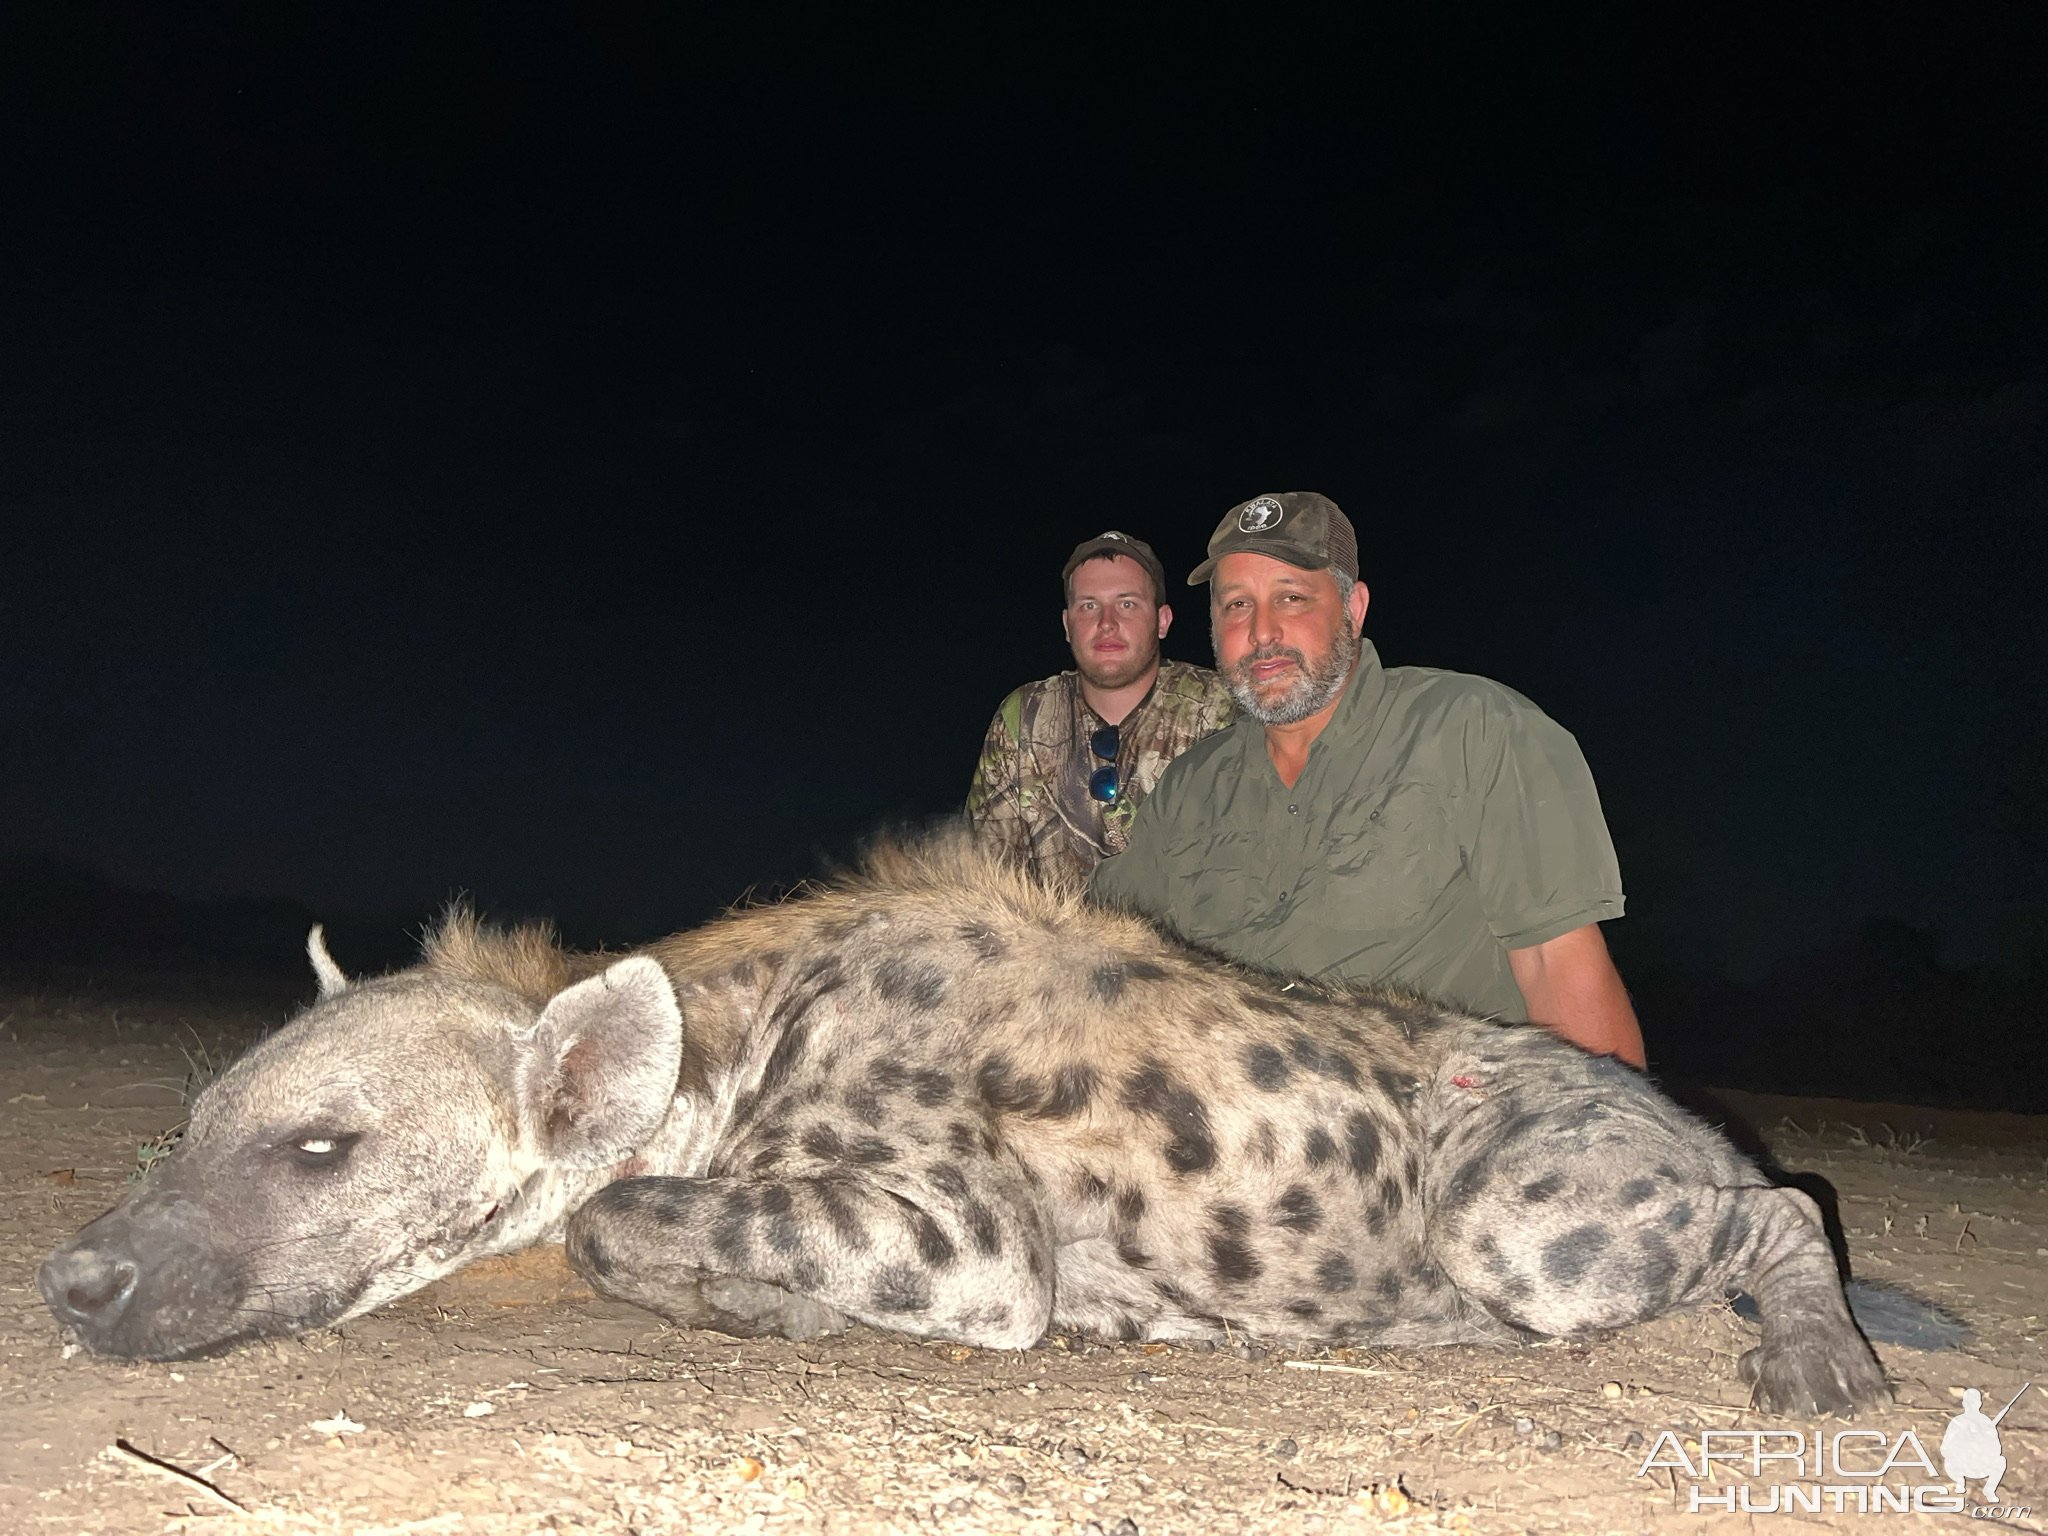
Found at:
(1030, 791)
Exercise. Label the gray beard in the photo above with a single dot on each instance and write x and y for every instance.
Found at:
(1314, 687)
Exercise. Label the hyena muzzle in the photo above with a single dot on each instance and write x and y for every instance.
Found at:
(938, 1099)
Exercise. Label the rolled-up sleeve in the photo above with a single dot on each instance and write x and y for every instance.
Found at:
(1542, 857)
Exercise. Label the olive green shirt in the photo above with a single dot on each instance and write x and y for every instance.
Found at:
(1441, 820)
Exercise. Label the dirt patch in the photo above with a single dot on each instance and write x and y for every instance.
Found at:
(510, 1399)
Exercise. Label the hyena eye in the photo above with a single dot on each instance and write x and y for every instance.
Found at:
(321, 1149)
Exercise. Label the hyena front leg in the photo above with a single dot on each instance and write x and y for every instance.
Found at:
(799, 1256)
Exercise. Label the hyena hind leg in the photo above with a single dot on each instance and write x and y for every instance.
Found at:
(1770, 1242)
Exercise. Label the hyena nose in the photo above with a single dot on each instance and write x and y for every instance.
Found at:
(85, 1288)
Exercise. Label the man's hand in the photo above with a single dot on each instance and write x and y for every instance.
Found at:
(1572, 987)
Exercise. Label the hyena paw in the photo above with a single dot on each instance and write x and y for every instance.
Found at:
(750, 1307)
(1812, 1375)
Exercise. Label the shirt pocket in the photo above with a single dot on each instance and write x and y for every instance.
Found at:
(1221, 876)
(1387, 860)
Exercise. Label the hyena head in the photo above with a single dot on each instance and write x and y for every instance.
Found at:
(382, 1138)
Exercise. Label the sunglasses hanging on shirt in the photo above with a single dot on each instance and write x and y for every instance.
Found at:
(1102, 783)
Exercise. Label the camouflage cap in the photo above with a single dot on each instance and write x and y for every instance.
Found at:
(1114, 543)
(1300, 527)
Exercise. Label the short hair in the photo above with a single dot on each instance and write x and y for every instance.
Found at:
(1067, 581)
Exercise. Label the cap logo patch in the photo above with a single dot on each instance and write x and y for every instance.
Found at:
(1259, 515)
(1113, 534)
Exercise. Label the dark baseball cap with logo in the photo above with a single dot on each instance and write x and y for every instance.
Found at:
(1114, 543)
(1300, 527)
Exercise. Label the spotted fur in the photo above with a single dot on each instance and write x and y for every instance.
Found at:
(937, 1098)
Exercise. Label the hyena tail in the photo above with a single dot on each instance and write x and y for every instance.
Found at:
(1885, 1314)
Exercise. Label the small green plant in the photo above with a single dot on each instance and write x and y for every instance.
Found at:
(154, 1151)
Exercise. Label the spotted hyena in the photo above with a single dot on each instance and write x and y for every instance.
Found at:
(938, 1099)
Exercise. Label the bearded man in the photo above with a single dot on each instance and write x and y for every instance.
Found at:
(1366, 824)
(1068, 759)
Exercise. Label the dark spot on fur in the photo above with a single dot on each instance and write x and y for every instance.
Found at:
(933, 1088)
(1314, 1056)
(1486, 1247)
(1318, 1147)
(1144, 970)
(1230, 1257)
(1172, 1294)
(899, 1288)
(806, 1274)
(1090, 1185)
(1128, 1329)
(1109, 982)
(1152, 1090)
(1072, 1087)
(1387, 1287)
(1300, 1211)
(839, 1211)
(768, 1158)
(1635, 1192)
(1362, 1143)
(823, 1142)
(960, 1136)
(783, 1059)
(1729, 1233)
(1414, 1019)
(1001, 1087)
(1130, 1206)
(1267, 1003)
(1667, 1173)
(1566, 1259)
(1656, 1269)
(1266, 1067)
(1398, 1086)
(1465, 1185)
(870, 1152)
(917, 984)
(1307, 1311)
(784, 1233)
(933, 1246)
(1132, 1254)
(1334, 1273)
(986, 943)
(730, 1230)
(1679, 1217)
(947, 1180)
(887, 1074)
(1536, 1191)
(982, 1227)
(865, 1105)
(1034, 1261)
(1264, 1145)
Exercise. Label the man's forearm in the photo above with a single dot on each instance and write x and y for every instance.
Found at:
(1571, 986)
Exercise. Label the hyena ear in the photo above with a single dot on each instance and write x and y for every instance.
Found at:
(600, 1073)
(332, 982)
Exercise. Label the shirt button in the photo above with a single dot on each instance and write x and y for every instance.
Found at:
(1294, 810)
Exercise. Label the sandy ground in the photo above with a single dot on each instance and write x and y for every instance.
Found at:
(509, 1399)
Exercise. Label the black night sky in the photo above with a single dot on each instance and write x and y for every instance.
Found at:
(603, 460)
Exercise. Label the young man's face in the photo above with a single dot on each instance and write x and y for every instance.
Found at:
(1113, 621)
(1285, 642)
